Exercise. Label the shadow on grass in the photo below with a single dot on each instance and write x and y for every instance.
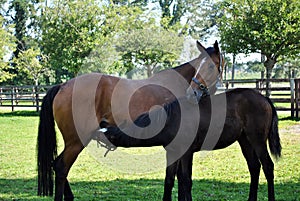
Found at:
(19, 114)
(289, 119)
(146, 189)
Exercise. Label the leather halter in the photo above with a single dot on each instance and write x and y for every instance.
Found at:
(201, 86)
(204, 88)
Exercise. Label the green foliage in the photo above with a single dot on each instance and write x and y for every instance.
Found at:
(139, 3)
(149, 49)
(82, 36)
(254, 66)
(202, 18)
(264, 26)
(23, 14)
(190, 17)
(7, 44)
(132, 40)
(286, 68)
(33, 64)
(70, 30)
(269, 27)
(79, 37)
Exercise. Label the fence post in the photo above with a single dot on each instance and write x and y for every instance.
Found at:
(37, 98)
(257, 84)
(292, 85)
(12, 99)
(226, 85)
(297, 96)
(1, 93)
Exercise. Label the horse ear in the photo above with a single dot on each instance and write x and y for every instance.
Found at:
(200, 47)
(216, 46)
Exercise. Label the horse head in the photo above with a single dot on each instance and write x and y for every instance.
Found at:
(209, 67)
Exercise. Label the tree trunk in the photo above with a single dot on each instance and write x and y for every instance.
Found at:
(233, 69)
(269, 64)
(149, 71)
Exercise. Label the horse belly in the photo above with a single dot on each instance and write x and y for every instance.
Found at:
(231, 133)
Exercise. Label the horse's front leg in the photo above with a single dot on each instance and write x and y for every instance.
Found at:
(169, 181)
(184, 176)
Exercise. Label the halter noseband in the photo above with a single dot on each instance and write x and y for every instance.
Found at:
(201, 86)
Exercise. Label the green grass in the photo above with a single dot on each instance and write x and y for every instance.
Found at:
(218, 175)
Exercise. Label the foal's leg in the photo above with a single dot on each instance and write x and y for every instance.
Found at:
(184, 176)
(169, 181)
(62, 166)
(268, 168)
(253, 166)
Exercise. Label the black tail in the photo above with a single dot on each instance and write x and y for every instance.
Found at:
(274, 139)
(46, 144)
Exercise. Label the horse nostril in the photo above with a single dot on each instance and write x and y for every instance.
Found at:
(103, 124)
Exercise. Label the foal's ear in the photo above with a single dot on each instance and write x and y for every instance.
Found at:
(200, 47)
(216, 46)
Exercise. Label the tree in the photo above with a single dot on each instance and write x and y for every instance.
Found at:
(7, 44)
(149, 49)
(269, 27)
(287, 69)
(32, 63)
(140, 45)
(201, 18)
(139, 3)
(22, 15)
(172, 10)
(73, 31)
(70, 30)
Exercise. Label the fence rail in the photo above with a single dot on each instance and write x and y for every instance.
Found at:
(22, 96)
(285, 93)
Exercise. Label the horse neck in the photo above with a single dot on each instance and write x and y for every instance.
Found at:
(187, 70)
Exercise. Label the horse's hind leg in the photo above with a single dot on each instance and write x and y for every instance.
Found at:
(253, 166)
(62, 166)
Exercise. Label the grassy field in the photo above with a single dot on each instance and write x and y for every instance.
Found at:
(218, 175)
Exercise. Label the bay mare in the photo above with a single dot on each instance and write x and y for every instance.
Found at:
(78, 106)
(246, 117)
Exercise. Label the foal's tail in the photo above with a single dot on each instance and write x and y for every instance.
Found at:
(273, 137)
(46, 144)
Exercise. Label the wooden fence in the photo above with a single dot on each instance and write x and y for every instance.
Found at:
(285, 94)
(22, 96)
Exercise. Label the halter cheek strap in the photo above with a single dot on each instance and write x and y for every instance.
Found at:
(204, 88)
(220, 64)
